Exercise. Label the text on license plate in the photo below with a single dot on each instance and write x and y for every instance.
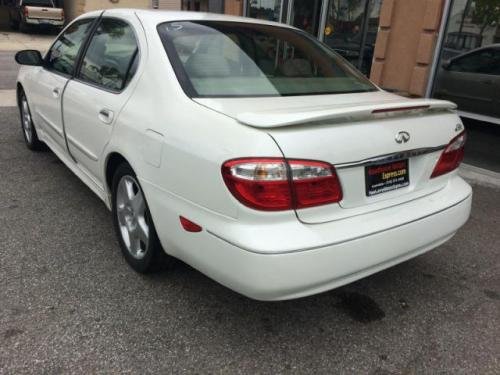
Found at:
(386, 177)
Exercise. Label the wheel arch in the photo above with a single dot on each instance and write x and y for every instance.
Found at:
(113, 160)
(19, 90)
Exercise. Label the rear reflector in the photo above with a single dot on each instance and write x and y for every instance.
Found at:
(451, 157)
(188, 225)
(276, 184)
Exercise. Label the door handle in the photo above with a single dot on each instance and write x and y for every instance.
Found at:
(56, 92)
(106, 116)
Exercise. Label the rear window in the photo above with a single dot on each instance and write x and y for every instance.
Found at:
(234, 59)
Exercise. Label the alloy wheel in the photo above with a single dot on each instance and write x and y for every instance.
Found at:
(132, 217)
(26, 120)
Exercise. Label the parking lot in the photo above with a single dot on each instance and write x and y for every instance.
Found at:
(69, 302)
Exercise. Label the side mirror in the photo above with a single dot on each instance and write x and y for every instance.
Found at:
(29, 57)
(446, 65)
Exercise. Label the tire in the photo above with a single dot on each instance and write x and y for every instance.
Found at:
(27, 126)
(14, 25)
(133, 224)
(23, 27)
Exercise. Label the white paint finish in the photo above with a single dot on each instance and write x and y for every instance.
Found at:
(346, 142)
(152, 145)
(352, 112)
(177, 145)
(248, 257)
(44, 91)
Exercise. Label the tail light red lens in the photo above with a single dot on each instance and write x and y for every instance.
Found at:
(25, 11)
(451, 157)
(275, 184)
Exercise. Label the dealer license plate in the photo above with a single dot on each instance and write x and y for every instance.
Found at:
(382, 178)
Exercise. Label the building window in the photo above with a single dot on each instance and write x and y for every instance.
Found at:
(269, 10)
(213, 6)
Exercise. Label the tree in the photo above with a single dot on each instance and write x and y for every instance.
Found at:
(486, 13)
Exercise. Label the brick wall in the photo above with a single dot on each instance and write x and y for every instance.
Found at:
(405, 44)
(233, 7)
(74, 8)
(169, 4)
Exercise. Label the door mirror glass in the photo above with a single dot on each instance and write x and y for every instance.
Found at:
(29, 57)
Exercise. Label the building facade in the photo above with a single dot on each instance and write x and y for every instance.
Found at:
(402, 45)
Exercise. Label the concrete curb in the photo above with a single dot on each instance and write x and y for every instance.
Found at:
(479, 176)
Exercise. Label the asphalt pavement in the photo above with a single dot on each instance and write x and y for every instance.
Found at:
(70, 304)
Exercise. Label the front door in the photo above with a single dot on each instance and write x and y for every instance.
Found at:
(101, 87)
(52, 79)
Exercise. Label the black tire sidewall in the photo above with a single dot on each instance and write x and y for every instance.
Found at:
(154, 252)
(35, 143)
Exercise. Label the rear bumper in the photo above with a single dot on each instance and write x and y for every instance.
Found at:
(42, 21)
(403, 232)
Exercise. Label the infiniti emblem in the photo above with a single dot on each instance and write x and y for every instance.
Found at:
(402, 137)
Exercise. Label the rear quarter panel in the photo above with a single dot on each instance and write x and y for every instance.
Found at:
(194, 140)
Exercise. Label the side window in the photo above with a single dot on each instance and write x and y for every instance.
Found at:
(112, 56)
(482, 62)
(64, 52)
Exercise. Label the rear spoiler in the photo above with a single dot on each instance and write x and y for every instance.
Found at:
(275, 119)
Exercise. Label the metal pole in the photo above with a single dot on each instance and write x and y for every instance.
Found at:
(437, 51)
(322, 22)
(364, 31)
(245, 8)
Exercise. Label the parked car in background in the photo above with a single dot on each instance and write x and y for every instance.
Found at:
(25, 13)
(472, 81)
(246, 148)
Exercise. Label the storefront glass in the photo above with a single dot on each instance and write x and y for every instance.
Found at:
(269, 10)
(469, 69)
(214, 6)
(468, 74)
(348, 26)
(305, 14)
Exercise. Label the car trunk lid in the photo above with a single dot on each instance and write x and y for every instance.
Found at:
(358, 134)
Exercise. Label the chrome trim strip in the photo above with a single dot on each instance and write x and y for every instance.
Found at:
(391, 157)
(343, 241)
(445, 19)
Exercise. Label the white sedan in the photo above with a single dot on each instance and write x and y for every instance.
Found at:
(245, 148)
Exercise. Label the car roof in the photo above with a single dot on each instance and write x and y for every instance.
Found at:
(470, 52)
(155, 17)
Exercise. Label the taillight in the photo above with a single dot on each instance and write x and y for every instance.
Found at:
(25, 11)
(276, 184)
(62, 14)
(451, 157)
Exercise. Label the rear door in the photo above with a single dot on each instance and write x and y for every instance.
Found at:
(101, 87)
(51, 80)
